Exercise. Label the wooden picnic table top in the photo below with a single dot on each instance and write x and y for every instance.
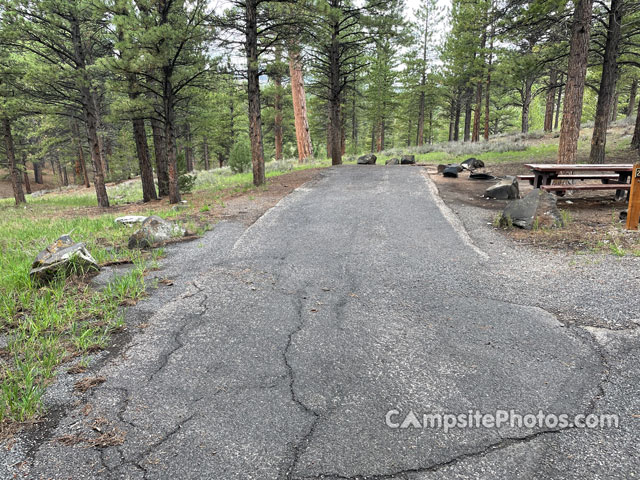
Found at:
(600, 167)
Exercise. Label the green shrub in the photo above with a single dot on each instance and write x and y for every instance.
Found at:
(240, 157)
(186, 182)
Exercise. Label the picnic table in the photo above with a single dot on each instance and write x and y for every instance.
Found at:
(543, 175)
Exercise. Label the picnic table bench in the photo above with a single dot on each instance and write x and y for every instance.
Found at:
(544, 174)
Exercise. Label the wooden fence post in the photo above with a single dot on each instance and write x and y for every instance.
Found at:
(633, 212)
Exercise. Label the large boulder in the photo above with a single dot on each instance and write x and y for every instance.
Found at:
(392, 161)
(408, 160)
(506, 189)
(155, 231)
(369, 159)
(63, 257)
(472, 164)
(452, 171)
(538, 208)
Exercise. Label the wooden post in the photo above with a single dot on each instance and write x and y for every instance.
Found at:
(633, 212)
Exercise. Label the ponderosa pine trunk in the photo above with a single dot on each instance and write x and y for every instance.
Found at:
(608, 82)
(90, 114)
(160, 151)
(144, 160)
(551, 100)
(37, 173)
(635, 141)
(487, 99)
(423, 83)
(458, 113)
(556, 122)
(188, 149)
(14, 173)
(468, 109)
(334, 94)
(253, 88)
(632, 98)
(25, 175)
(303, 138)
(526, 104)
(170, 138)
(475, 135)
(277, 105)
(205, 152)
(576, 74)
(81, 173)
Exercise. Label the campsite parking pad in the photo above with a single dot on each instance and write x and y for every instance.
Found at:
(280, 348)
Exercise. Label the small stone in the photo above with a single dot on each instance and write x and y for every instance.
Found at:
(472, 164)
(452, 171)
(408, 160)
(392, 161)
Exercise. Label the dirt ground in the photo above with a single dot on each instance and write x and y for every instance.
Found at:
(6, 190)
(245, 205)
(594, 223)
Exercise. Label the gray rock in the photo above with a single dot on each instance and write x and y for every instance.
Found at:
(452, 171)
(538, 209)
(154, 231)
(392, 161)
(130, 220)
(408, 160)
(472, 164)
(369, 159)
(507, 189)
(63, 257)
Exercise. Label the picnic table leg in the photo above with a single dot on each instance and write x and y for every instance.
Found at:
(623, 177)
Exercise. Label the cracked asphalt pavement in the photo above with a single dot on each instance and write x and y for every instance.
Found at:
(281, 347)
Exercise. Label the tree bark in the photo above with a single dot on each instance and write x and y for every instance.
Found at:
(14, 173)
(467, 114)
(458, 113)
(635, 141)
(37, 173)
(632, 98)
(551, 100)
(90, 115)
(65, 177)
(82, 176)
(205, 152)
(574, 95)
(606, 94)
(303, 138)
(27, 183)
(487, 99)
(277, 105)
(423, 83)
(170, 138)
(475, 135)
(144, 160)
(188, 149)
(253, 87)
(556, 123)
(526, 104)
(160, 150)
